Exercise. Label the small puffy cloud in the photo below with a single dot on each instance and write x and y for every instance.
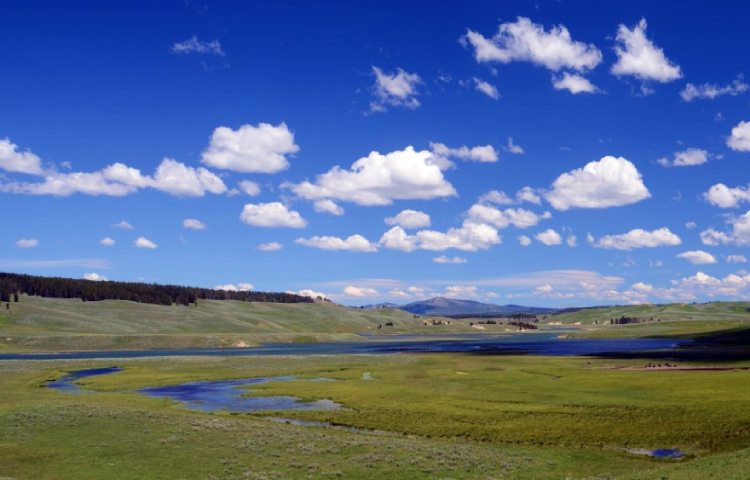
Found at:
(352, 291)
(549, 237)
(328, 206)
(240, 287)
(642, 287)
(380, 179)
(119, 180)
(496, 197)
(609, 182)
(518, 217)
(524, 240)
(572, 241)
(451, 260)
(397, 239)
(353, 243)
(513, 148)
(739, 235)
(725, 197)
(481, 153)
(27, 243)
(528, 194)
(12, 159)
(739, 140)
(573, 83)
(710, 91)
(409, 219)
(94, 277)
(251, 149)
(273, 214)
(524, 40)
(306, 292)
(736, 259)
(486, 88)
(123, 225)
(107, 242)
(690, 225)
(461, 291)
(697, 257)
(469, 237)
(685, 158)
(143, 242)
(193, 45)
(193, 224)
(249, 188)
(638, 238)
(639, 57)
(270, 247)
(397, 89)
(116, 179)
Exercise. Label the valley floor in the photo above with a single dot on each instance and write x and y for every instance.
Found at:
(433, 416)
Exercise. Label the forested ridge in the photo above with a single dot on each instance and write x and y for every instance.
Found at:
(13, 284)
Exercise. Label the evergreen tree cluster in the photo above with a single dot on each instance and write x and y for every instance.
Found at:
(11, 284)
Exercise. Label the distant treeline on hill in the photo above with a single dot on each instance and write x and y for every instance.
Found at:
(12, 284)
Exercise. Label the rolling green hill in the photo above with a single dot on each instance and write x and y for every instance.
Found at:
(68, 324)
(671, 319)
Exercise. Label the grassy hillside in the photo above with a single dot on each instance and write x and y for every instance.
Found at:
(46, 323)
(672, 319)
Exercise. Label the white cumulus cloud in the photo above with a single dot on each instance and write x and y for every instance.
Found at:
(94, 277)
(193, 224)
(399, 89)
(273, 214)
(107, 242)
(685, 158)
(739, 140)
(524, 40)
(143, 242)
(249, 188)
(549, 237)
(638, 238)
(240, 287)
(14, 160)
(480, 153)
(573, 83)
(697, 257)
(353, 291)
(353, 243)
(251, 149)
(380, 179)
(328, 206)
(725, 197)
(639, 57)
(609, 182)
(409, 219)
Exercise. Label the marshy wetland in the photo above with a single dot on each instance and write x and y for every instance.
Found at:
(457, 404)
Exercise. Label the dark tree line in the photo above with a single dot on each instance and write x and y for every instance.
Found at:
(511, 316)
(11, 284)
(623, 320)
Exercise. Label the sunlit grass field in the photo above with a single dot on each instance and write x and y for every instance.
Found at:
(436, 416)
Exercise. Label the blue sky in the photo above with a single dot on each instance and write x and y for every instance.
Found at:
(545, 153)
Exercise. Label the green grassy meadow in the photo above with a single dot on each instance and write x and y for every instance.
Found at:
(445, 416)
(434, 416)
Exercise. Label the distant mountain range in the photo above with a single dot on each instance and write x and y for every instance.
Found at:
(441, 306)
